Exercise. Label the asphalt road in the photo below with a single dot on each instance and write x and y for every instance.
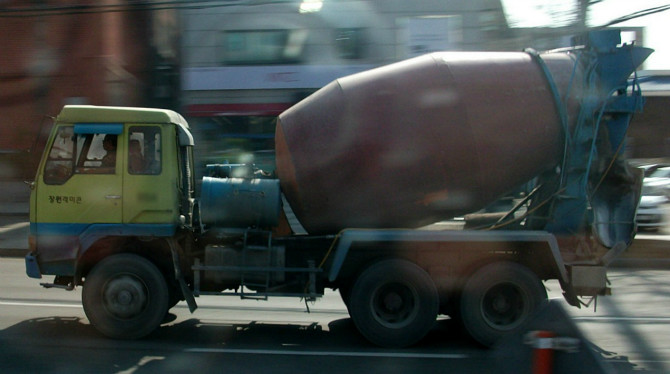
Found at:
(46, 331)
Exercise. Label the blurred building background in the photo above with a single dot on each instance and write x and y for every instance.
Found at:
(232, 66)
(245, 64)
(77, 52)
(649, 133)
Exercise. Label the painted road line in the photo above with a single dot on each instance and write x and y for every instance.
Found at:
(15, 226)
(38, 304)
(328, 353)
(622, 319)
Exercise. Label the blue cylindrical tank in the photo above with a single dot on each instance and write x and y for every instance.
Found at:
(240, 202)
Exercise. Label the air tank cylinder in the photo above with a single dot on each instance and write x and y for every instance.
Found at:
(422, 140)
(240, 202)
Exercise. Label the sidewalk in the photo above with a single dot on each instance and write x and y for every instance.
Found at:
(14, 231)
(14, 198)
(14, 226)
(647, 251)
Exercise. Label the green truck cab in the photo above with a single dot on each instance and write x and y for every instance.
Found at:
(114, 175)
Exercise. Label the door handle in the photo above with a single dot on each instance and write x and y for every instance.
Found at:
(115, 197)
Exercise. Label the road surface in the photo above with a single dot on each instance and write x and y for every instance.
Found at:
(46, 331)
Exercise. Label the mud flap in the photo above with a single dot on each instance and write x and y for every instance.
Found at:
(186, 292)
(614, 206)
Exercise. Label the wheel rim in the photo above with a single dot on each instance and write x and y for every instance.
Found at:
(125, 296)
(504, 306)
(394, 305)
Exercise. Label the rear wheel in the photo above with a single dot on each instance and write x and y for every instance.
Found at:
(394, 303)
(125, 296)
(498, 299)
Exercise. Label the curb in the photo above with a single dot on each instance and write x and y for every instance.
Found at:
(641, 263)
(17, 252)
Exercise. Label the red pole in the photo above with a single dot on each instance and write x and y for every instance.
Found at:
(543, 353)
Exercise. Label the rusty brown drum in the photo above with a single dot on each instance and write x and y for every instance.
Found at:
(421, 140)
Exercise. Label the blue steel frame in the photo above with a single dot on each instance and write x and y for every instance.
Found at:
(606, 104)
(83, 236)
(350, 236)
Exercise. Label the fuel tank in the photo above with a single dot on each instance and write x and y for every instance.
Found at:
(422, 140)
(240, 202)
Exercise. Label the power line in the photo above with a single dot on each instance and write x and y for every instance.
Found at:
(130, 6)
(637, 14)
(139, 5)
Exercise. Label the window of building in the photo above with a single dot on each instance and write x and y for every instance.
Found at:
(263, 46)
(349, 43)
(435, 33)
(235, 139)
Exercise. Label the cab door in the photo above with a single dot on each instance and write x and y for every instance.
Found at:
(81, 183)
(150, 193)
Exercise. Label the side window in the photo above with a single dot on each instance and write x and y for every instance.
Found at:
(96, 153)
(75, 152)
(60, 161)
(144, 150)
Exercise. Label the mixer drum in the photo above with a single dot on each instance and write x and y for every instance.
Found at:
(421, 140)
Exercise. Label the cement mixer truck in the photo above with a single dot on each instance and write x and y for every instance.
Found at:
(367, 166)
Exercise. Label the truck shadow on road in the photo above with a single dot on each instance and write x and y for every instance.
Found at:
(59, 344)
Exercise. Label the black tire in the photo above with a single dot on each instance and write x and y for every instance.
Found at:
(125, 297)
(394, 303)
(499, 299)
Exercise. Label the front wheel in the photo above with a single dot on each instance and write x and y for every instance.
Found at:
(498, 299)
(125, 296)
(394, 303)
